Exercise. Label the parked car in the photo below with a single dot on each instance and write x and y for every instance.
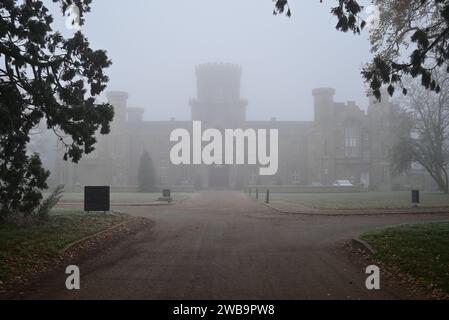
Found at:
(343, 183)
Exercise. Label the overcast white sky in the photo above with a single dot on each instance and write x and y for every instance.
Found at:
(155, 45)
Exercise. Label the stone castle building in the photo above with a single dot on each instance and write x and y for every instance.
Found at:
(342, 143)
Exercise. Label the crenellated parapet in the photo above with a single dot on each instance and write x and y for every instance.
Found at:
(218, 82)
(233, 70)
(218, 97)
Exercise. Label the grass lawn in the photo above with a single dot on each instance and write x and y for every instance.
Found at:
(24, 250)
(362, 200)
(125, 197)
(419, 250)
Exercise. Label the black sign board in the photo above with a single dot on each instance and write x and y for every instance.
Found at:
(415, 196)
(97, 199)
(166, 193)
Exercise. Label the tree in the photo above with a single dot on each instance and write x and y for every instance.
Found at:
(422, 131)
(419, 28)
(44, 76)
(147, 174)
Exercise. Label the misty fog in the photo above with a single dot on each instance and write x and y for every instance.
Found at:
(155, 45)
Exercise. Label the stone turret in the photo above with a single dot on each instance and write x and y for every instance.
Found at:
(218, 98)
(119, 100)
(324, 105)
(218, 82)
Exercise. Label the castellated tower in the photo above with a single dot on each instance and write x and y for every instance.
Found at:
(324, 105)
(118, 99)
(218, 103)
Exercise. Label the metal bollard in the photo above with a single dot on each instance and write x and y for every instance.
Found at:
(268, 196)
(257, 193)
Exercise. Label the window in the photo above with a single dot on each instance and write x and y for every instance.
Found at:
(163, 164)
(163, 179)
(253, 177)
(352, 142)
(296, 177)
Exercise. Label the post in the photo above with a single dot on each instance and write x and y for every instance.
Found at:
(268, 196)
(257, 193)
(415, 198)
(249, 193)
(166, 196)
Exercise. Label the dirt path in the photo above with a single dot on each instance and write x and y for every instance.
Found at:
(221, 245)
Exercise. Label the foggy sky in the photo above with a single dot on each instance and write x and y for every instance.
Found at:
(155, 45)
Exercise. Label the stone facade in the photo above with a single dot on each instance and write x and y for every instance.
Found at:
(342, 143)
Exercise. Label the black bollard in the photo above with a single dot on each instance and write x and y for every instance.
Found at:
(268, 196)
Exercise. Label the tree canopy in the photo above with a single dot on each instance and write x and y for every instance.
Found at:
(415, 29)
(421, 130)
(45, 76)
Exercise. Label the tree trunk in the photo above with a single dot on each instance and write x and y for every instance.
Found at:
(446, 181)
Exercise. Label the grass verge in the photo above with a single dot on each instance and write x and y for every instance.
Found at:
(361, 200)
(421, 251)
(28, 250)
(126, 197)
